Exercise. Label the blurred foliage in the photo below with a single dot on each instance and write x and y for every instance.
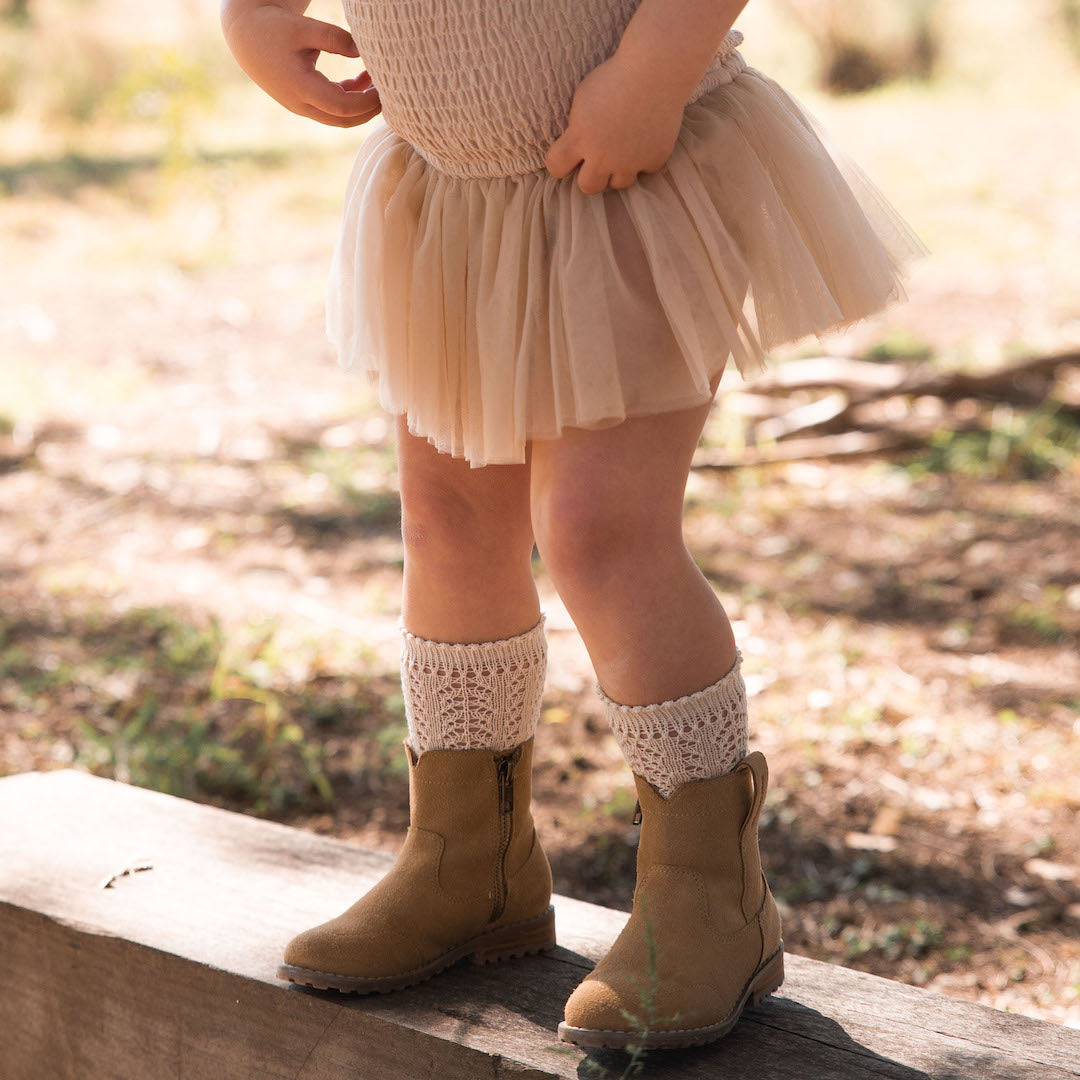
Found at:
(900, 344)
(186, 757)
(894, 942)
(200, 711)
(876, 42)
(1026, 444)
(163, 86)
(1069, 14)
(231, 734)
(15, 12)
(73, 71)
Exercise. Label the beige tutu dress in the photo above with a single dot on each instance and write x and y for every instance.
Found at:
(491, 302)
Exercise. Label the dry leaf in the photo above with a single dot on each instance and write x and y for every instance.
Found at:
(887, 821)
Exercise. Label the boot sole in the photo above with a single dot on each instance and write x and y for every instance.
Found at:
(516, 939)
(767, 978)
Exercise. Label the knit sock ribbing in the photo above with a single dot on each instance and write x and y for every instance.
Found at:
(694, 737)
(473, 695)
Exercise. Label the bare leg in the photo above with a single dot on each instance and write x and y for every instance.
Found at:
(468, 545)
(607, 513)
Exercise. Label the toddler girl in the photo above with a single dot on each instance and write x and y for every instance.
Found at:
(575, 213)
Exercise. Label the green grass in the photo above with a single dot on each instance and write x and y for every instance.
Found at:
(905, 940)
(204, 719)
(195, 709)
(187, 756)
(1016, 444)
(900, 345)
(1041, 617)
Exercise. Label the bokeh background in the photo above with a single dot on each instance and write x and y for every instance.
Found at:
(200, 556)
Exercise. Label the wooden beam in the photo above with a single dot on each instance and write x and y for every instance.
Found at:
(169, 971)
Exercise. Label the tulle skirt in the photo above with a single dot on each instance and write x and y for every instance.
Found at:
(497, 310)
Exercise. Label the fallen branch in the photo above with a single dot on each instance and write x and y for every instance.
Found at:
(831, 372)
(858, 383)
(907, 434)
(867, 380)
(848, 444)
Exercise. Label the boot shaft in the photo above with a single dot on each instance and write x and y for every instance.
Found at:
(710, 826)
(480, 803)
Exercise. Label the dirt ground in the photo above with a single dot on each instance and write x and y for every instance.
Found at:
(199, 526)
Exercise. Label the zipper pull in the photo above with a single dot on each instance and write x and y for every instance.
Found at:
(637, 812)
(506, 779)
(506, 788)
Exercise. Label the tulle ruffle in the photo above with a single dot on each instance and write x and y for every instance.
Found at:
(492, 311)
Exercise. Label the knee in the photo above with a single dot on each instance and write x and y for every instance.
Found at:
(585, 538)
(444, 526)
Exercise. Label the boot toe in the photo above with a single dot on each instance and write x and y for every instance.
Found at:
(357, 949)
(342, 947)
(597, 1006)
(312, 949)
(322, 948)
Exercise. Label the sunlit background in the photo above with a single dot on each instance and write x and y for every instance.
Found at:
(200, 559)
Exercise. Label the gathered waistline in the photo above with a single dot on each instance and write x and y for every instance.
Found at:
(731, 65)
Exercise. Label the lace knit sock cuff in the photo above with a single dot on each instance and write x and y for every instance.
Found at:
(473, 695)
(694, 737)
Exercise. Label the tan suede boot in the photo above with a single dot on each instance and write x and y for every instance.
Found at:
(703, 937)
(471, 880)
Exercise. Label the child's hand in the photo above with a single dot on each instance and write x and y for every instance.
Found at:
(619, 125)
(277, 49)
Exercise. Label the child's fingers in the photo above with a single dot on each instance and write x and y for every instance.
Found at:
(328, 37)
(561, 158)
(357, 82)
(313, 113)
(621, 180)
(592, 181)
(332, 98)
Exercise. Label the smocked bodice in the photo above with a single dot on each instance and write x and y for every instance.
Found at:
(481, 88)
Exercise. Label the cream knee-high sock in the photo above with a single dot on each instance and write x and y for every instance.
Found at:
(694, 737)
(473, 695)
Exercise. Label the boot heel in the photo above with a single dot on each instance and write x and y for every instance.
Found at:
(518, 939)
(772, 975)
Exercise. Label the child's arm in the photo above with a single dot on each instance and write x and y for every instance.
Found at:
(277, 47)
(671, 42)
(627, 112)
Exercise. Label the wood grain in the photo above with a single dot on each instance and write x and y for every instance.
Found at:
(170, 971)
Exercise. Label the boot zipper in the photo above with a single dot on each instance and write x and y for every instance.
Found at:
(505, 775)
(637, 813)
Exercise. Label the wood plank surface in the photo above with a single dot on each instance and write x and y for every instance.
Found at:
(170, 972)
